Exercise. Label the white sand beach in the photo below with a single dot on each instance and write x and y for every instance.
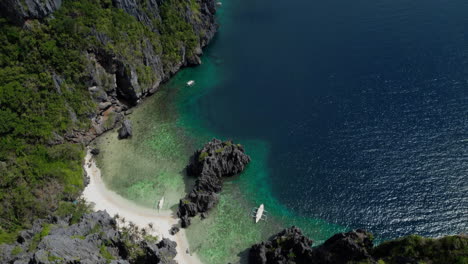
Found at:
(104, 199)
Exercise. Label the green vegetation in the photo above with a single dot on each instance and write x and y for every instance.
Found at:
(96, 229)
(39, 236)
(78, 237)
(76, 210)
(176, 32)
(203, 155)
(220, 150)
(16, 250)
(53, 258)
(105, 253)
(8, 237)
(43, 95)
(449, 249)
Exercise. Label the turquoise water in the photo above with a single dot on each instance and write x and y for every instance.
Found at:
(168, 128)
(354, 115)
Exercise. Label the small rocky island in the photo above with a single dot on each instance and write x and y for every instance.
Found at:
(94, 238)
(291, 246)
(216, 160)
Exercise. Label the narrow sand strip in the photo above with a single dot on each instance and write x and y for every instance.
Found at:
(104, 199)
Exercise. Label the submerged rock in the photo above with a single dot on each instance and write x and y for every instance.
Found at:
(126, 130)
(95, 151)
(217, 159)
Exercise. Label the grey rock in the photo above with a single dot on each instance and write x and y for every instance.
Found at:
(95, 151)
(82, 242)
(145, 15)
(18, 11)
(216, 160)
(174, 230)
(290, 245)
(126, 130)
(104, 105)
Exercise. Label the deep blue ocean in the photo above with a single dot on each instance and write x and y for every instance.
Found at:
(364, 104)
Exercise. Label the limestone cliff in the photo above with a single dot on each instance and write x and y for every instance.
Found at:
(21, 10)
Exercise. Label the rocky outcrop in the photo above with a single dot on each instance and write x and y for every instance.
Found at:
(291, 246)
(217, 159)
(288, 245)
(18, 11)
(126, 130)
(94, 239)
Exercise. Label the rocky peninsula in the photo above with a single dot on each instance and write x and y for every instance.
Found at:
(215, 161)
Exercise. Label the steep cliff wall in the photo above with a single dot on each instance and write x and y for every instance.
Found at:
(18, 11)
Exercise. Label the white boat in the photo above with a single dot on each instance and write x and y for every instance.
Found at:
(161, 203)
(259, 214)
(219, 3)
(191, 83)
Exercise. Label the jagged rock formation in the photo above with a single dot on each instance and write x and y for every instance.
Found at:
(21, 10)
(94, 239)
(291, 246)
(217, 159)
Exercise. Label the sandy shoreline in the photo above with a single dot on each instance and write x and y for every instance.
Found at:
(104, 199)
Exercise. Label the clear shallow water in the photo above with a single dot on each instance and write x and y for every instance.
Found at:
(354, 115)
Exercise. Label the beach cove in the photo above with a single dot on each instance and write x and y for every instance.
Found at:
(333, 148)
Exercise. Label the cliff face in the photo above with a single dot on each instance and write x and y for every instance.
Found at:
(118, 81)
(21, 10)
(291, 246)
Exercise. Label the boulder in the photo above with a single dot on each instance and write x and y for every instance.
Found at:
(95, 151)
(126, 130)
(174, 230)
